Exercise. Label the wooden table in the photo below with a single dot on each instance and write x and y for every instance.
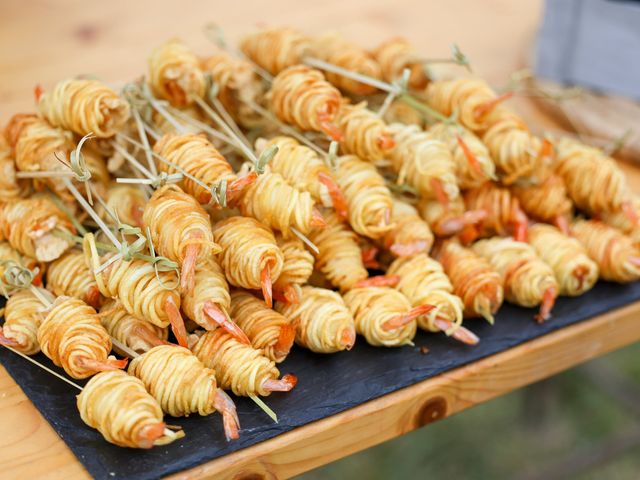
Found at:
(45, 41)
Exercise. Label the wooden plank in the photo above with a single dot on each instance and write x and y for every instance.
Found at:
(398, 413)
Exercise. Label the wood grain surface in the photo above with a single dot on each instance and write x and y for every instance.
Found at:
(44, 41)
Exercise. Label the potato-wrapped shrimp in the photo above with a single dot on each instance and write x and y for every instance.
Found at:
(119, 407)
(519, 155)
(616, 255)
(473, 161)
(333, 48)
(323, 324)
(472, 98)
(194, 154)
(137, 334)
(383, 316)
(424, 163)
(141, 290)
(183, 385)
(84, 106)
(180, 230)
(126, 202)
(272, 201)
(369, 201)
(365, 134)
(35, 144)
(423, 282)
(240, 367)
(575, 271)
(451, 219)
(623, 221)
(72, 336)
(303, 168)
(175, 75)
(527, 280)
(297, 267)
(28, 226)
(302, 97)
(594, 182)
(208, 303)
(410, 234)
(69, 275)
(546, 202)
(23, 314)
(250, 256)
(268, 330)
(275, 48)
(394, 56)
(503, 212)
(11, 188)
(473, 280)
(237, 83)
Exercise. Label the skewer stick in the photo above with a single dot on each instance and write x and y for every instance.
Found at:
(132, 353)
(306, 240)
(52, 174)
(131, 159)
(145, 142)
(202, 126)
(367, 80)
(265, 408)
(55, 374)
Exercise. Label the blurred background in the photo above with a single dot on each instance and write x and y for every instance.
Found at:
(584, 423)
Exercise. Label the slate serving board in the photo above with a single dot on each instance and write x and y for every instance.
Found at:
(327, 385)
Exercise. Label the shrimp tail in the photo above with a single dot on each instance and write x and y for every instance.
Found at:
(317, 220)
(285, 340)
(460, 333)
(176, 321)
(348, 337)
(489, 105)
(220, 319)
(187, 273)
(337, 197)
(9, 342)
(548, 300)
(284, 384)
(239, 185)
(379, 281)
(267, 287)
(405, 318)
(148, 434)
(223, 404)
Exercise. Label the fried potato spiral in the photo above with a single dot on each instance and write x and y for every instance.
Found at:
(365, 134)
(175, 75)
(339, 257)
(276, 48)
(126, 202)
(297, 264)
(547, 201)
(616, 255)
(394, 56)
(72, 336)
(28, 225)
(301, 96)
(333, 48)
(119, 407)
(23, 315)
(423, 281)
(424, 163)
(594, 182)
(269, 331)
(323, 324)
(369, 201)
(84, 107)
(411, 234)
(11, 188)
(373, 308)
(528, 281)
(575, 271)
(69, 275)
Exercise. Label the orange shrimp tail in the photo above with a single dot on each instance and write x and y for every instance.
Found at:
(9, 342)
(408, 249)
(348, 338)
(136, 214)
(239, 185)
(317, 220)
(285, 384)
(329, 128)
(94, 297)
(38, 91)
(469, 234)
(630, 212)
(402, 320)
(521, 225)
(267, 287)
(548, 300)
(176, 321)
(149, 434)
(220, 319)
(100, 366)
(634, 260)
(471, 158)
(187, 273)
(285, 340)
(461, 334)
(562, 222)
(385, 141)
(369, 257)
(223, 404)
(453, 225)
(291, 294)
(379, 281)
(580, 272)
(337, 198)
(441, 195)
(489, 105)
(546, 150)
(148, 336)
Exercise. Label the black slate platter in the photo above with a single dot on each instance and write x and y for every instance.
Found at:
(327, 385)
